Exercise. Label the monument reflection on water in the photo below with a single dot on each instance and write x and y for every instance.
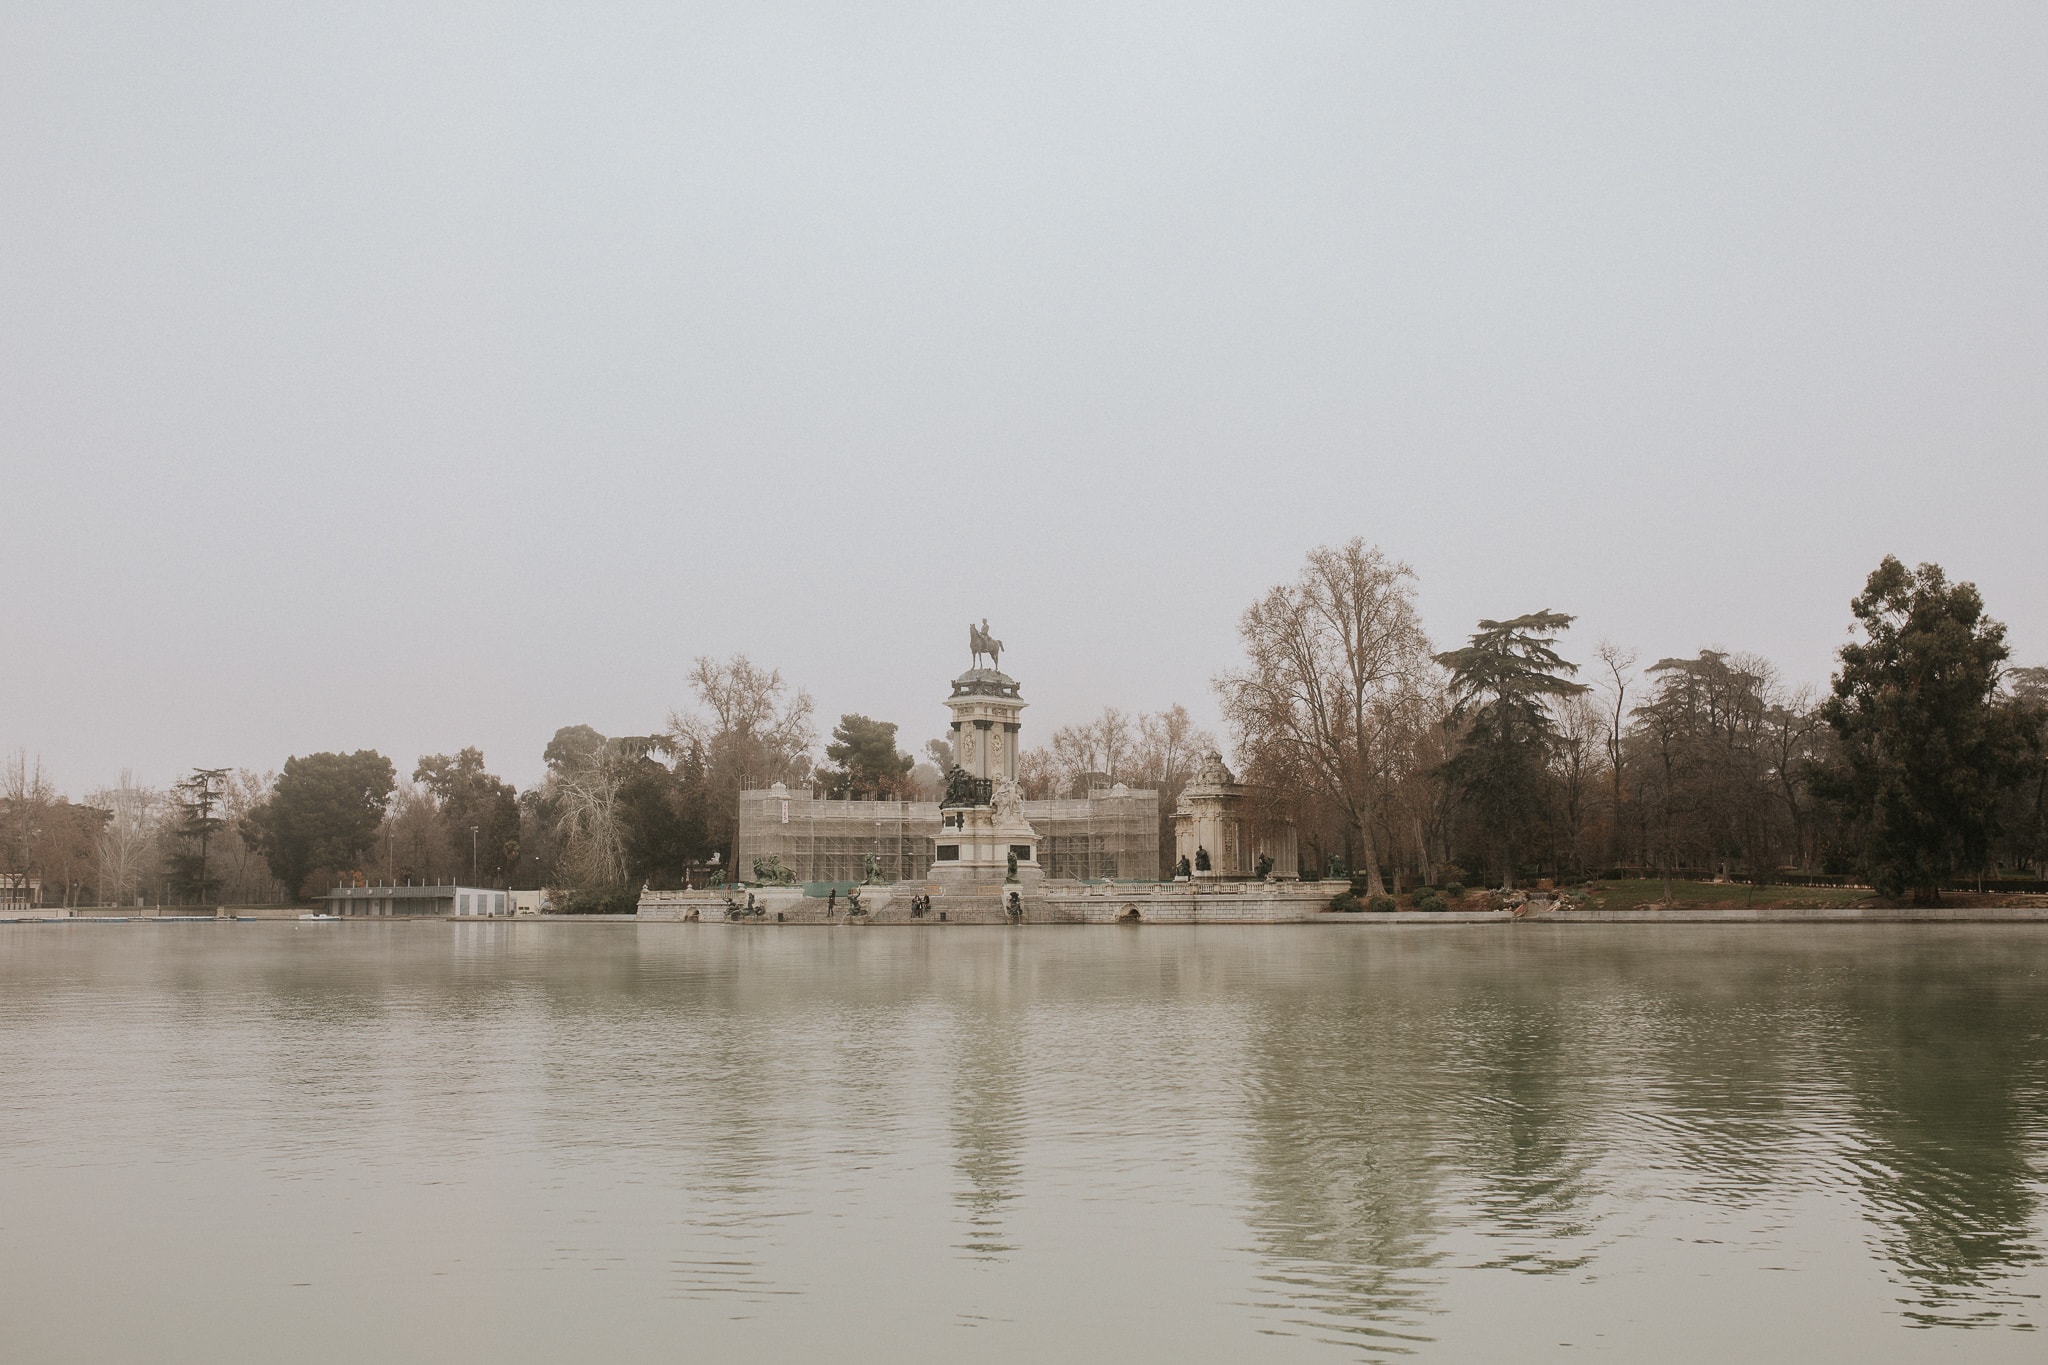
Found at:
(520, 1140)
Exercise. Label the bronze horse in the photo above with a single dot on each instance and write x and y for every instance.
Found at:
(981, 642)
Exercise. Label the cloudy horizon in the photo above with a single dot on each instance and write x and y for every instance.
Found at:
(406, 380)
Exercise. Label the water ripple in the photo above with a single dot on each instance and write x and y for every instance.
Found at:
(1286, 1143)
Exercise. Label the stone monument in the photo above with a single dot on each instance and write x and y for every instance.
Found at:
(1218, 830)
(981, 816)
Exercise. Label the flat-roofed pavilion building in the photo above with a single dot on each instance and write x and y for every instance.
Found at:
(382, 902)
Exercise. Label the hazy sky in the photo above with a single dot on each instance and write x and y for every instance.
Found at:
(416, 376)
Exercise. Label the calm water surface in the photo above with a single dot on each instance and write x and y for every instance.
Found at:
(542, 1142)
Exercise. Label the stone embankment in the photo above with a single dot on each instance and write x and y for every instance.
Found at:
(1049, 903)
(1230, 903)
(1394, 917)
(1826, 914)
(1735, 914)
(178, 913)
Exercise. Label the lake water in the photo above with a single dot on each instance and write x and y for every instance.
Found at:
(622, 1143)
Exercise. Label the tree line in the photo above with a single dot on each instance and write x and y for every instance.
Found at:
(1401, 764)
(1404, 764)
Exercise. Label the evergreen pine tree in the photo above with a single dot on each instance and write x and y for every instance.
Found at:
(1501, 684)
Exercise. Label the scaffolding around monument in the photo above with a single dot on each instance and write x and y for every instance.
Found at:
(1112, 833)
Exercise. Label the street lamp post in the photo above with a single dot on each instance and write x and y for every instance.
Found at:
(472, 855)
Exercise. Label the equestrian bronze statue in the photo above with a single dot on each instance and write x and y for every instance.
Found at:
(981, 642)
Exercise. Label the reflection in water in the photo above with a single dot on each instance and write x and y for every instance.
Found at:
(1541, 1107)
(988, 1125)
(1520, 1129)
(1944, 1061)
(1343, 1177)
(1261, 1143)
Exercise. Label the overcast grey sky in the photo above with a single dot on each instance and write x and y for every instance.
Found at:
(411, 376)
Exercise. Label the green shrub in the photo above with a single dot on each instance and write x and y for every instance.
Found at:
(1453, 891)
(1433, 903)
(1382, 905)
(605, 902)
(1346, 903)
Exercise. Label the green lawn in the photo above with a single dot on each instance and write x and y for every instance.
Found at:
(1626, 895)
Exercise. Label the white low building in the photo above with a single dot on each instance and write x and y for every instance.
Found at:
(19, 893)
(384, 902)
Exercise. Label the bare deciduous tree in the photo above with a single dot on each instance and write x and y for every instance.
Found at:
(1425, 800)
(1103, 745)
(415, 843)
(1582, 734)
(750, 709)
(1170, 744)
(1620, 665)
(245, 877)
(1798, 737)
(1334, 665)
(754, 730)
(125, 851)
(1038, 776)
(26, 798)
(1155, 749)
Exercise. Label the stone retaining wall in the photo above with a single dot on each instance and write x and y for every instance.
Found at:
(1188, 903)
(1418, 917)
(1238, 903)
(1830, 914)
(1049, 903)
(1834, 914)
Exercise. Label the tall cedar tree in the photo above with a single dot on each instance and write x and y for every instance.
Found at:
(1500, 686)
(198, 797)
(1925, 745)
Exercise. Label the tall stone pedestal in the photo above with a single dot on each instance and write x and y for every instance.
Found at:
(974, 848)
(981, 819)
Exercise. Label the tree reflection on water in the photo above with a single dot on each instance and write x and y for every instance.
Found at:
(1534, 1098)
(1942, 1056)
(1397, 1143)
(1343, 1178)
